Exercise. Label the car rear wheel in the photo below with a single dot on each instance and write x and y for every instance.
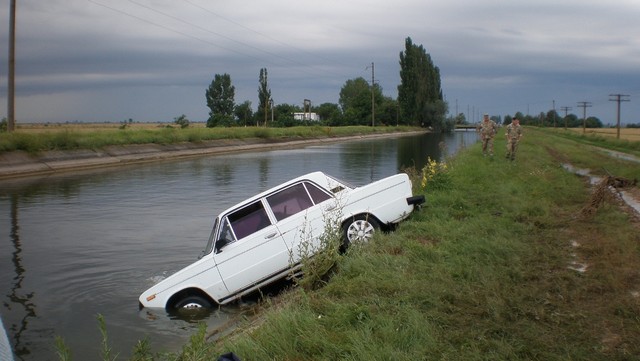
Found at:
(193, 302)
(359, 229)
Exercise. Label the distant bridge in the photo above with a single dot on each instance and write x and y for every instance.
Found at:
(466, 126)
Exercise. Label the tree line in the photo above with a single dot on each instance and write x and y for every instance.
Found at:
(551, 119)
(419, 102)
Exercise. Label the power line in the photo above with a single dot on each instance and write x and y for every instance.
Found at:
(171, 30)
(314, 69)
(619, 98)
(213, 32)
(297, 49)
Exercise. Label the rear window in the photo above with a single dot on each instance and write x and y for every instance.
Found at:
(317, 194)
(289, 201)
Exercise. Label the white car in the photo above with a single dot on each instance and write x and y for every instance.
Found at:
(257, 242)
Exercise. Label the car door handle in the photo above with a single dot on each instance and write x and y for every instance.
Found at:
(330, 208)
(269, 236)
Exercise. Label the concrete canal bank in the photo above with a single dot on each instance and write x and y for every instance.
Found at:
(22, 164)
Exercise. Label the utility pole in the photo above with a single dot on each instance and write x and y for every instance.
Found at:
(11, 84)
(306, 104)
(584, 106)
(618, 98)
(271, 103)
(566, 110)
(373, 104)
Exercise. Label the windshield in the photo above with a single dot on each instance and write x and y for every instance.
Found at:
(210, 243)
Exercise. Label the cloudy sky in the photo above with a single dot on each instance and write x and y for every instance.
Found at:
(151, 60)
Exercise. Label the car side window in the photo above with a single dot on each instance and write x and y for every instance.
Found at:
(289, 201)
(317, 194)
(295, 199)
(226, 233)
(248, 220)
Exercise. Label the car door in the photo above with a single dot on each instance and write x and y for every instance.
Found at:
(254, 252)
(300, 214)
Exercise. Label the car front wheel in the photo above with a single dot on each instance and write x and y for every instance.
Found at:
(193, 302)
(359, 229)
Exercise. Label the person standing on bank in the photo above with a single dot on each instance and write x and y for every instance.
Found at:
(514, 133)
(488, 129)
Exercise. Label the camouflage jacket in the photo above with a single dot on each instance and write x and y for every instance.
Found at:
(487, 129)
(514, 132)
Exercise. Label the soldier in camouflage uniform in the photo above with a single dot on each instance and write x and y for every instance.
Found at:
(514, 133)
(487, 129)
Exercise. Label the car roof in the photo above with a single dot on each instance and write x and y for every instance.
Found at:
(318, 177)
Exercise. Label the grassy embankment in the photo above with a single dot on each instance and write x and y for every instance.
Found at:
(34, 139)
(486, 271)
(482, 272)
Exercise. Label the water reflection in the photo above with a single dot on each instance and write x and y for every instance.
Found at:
(18, 297)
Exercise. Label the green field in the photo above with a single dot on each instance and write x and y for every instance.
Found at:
(38, 138)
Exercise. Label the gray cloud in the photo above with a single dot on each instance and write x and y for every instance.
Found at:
(151, 60)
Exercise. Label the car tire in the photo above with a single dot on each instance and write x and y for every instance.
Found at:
(193, 302)
(359, 229)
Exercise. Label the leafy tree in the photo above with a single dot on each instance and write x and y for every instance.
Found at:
(593, 122)
(283, 115)
(3, 125)
(220, 99)
(182, 121)
(329, 113)
(243, 113)
(461, 119)
(571, 121)
(264, 97)
(420, 92)
(387, 112)
(355, 101)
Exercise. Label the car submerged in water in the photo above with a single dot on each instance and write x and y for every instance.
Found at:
(257, 242)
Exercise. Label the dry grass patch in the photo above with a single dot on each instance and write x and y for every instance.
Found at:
(630, 134)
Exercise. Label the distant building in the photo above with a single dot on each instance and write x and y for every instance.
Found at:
(306, 116)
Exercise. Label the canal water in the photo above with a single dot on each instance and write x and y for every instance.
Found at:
(76, 246)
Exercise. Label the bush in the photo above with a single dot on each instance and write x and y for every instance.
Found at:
(182, 121)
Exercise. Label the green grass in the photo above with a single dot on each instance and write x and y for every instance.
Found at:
(69, 139)
(621, 145)
(480, 273)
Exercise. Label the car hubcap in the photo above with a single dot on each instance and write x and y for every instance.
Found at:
(192, 305)
(360, 231)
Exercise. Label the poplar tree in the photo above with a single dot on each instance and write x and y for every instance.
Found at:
(420, 92)
(264, 96)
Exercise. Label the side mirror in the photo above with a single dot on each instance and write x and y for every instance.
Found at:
(217, 248)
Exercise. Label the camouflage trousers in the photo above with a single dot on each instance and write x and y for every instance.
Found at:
(487, 145)
(512, 147)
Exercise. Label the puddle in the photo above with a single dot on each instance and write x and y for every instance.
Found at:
(625, 156)
(626, 196)
(630, 200)
(575, 264)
